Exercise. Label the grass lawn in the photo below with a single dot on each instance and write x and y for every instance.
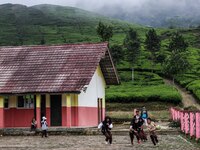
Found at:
(123, 112)
(162, 115)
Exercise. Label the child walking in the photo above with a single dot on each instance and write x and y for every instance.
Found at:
(134, 130)
(44, 126)
(141, 133)
(152, 128)
(106, 127)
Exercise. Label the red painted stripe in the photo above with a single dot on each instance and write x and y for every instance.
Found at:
(66, 116)
(48, 116)
(2, 125)
(74, 116)
(18, 117)
(38, 117)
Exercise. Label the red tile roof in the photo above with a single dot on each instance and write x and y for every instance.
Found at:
(62, 68)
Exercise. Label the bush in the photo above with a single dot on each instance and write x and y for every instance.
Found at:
(128, 92)
(195, 88)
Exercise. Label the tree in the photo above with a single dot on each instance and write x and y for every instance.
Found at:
(132, 44)
(104, 31)
(176, 63)
(152, 44)
(42, 41)
(117, 53)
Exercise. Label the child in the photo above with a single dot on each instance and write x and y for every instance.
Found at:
(141, 133)
(106, 127)
(134, 130)
(152, 128)
(144, 115)
(137, 116)
(33, 124)
(44, 126)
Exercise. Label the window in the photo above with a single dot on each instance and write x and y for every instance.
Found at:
(26, 101)
(6, 102)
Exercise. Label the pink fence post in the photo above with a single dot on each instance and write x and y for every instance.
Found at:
(172, 113)
(186, 122)
(192, 124)
(182, 121)
(197, 125)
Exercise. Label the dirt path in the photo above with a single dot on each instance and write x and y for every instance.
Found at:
(187, 98)
(166, 142)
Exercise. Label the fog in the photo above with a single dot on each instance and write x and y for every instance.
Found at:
(123, 4)
(139, 11)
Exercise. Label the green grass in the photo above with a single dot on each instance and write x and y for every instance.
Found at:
(153, 106)
(145, 87)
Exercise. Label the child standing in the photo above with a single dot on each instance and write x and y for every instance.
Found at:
(44, 126)
(106, 127)
(144, 115)
(152, 128)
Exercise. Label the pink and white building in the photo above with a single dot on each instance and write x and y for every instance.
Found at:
(66, 83)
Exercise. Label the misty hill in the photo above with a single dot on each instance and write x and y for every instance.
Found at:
(156, 13)
(50, 24)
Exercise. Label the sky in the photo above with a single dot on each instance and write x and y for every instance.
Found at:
(93, 5)
(85, 3)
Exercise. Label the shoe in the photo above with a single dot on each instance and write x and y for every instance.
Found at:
(106, 142)
(139, 142)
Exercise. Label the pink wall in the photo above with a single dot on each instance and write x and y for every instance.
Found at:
(18, 117)
(88, 116)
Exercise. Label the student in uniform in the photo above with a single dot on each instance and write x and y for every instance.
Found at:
(152, 128)
(106, 127)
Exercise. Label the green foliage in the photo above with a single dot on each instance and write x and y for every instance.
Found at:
(152, 44)
(177, 43)
(146, 87)
(194, 86)
(104, 31)
(176, 62)
(127, 92)
(132, 44)
(117, 53)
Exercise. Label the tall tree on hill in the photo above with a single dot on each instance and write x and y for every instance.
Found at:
(176, 63)
(152, 44)
(117, 53)
(105, 32)
(132, 44)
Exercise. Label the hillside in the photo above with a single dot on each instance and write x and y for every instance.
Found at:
(50, 24)
(22, 25)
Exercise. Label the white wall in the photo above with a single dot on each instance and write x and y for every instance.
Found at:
(95, 90)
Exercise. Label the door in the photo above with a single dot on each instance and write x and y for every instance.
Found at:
(56, 113)
(100, 110)
(43, 106)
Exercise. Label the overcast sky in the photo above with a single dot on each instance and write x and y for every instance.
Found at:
(124, 4)
(71, 2)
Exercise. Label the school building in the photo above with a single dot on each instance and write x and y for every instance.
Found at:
(66, 83)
